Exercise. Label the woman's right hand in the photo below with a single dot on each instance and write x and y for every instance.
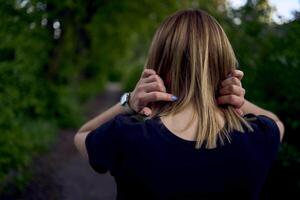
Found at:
(149, 88)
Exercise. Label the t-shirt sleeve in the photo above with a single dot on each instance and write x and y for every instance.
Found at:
(271, 135)
(103, 145)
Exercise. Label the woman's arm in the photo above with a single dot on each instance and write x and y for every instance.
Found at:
(150, 88)
(249, 107)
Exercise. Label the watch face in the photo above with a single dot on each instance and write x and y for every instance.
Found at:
(124, 98)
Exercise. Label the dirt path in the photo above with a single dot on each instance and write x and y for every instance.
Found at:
(63, 174)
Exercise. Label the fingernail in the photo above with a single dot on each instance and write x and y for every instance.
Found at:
(174, 98)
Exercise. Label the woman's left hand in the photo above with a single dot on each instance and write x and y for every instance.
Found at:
(232, 92)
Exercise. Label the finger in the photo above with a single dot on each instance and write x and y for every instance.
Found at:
(231, 81)
(158, 96)
(238, 74)
(233, 100)
(154, 86)
(153, 79)
(239, 111)
(148, 72)
(232, 89)
(146, 111)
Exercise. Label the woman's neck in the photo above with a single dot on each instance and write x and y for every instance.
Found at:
(177, 123)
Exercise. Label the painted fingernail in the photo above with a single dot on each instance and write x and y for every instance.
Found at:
(174, 98)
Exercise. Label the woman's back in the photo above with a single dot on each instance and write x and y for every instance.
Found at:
(148, 161)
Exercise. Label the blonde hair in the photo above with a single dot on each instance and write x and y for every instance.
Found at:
(192, 54)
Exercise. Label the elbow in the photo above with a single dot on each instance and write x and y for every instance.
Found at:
(75, 139)
(79, 142)
(77, 136)
(281, 128)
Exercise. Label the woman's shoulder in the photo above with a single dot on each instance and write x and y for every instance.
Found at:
(266, 131)
(134, 129)
(263, 123)
(132, 123)
(129, 119)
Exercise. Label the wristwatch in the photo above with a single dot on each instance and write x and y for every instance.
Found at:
(124, 101)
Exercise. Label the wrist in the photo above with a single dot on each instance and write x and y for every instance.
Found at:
(129, 103)
(122, 109)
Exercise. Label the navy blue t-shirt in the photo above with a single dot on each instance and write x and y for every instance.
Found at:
(148, 161)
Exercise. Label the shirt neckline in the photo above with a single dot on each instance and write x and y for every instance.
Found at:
(171, 134)
(168, 134)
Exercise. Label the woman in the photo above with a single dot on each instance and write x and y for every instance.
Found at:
(198, 137)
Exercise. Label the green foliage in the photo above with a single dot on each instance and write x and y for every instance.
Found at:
(123, 36)
(33, 102)
(19, 147)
